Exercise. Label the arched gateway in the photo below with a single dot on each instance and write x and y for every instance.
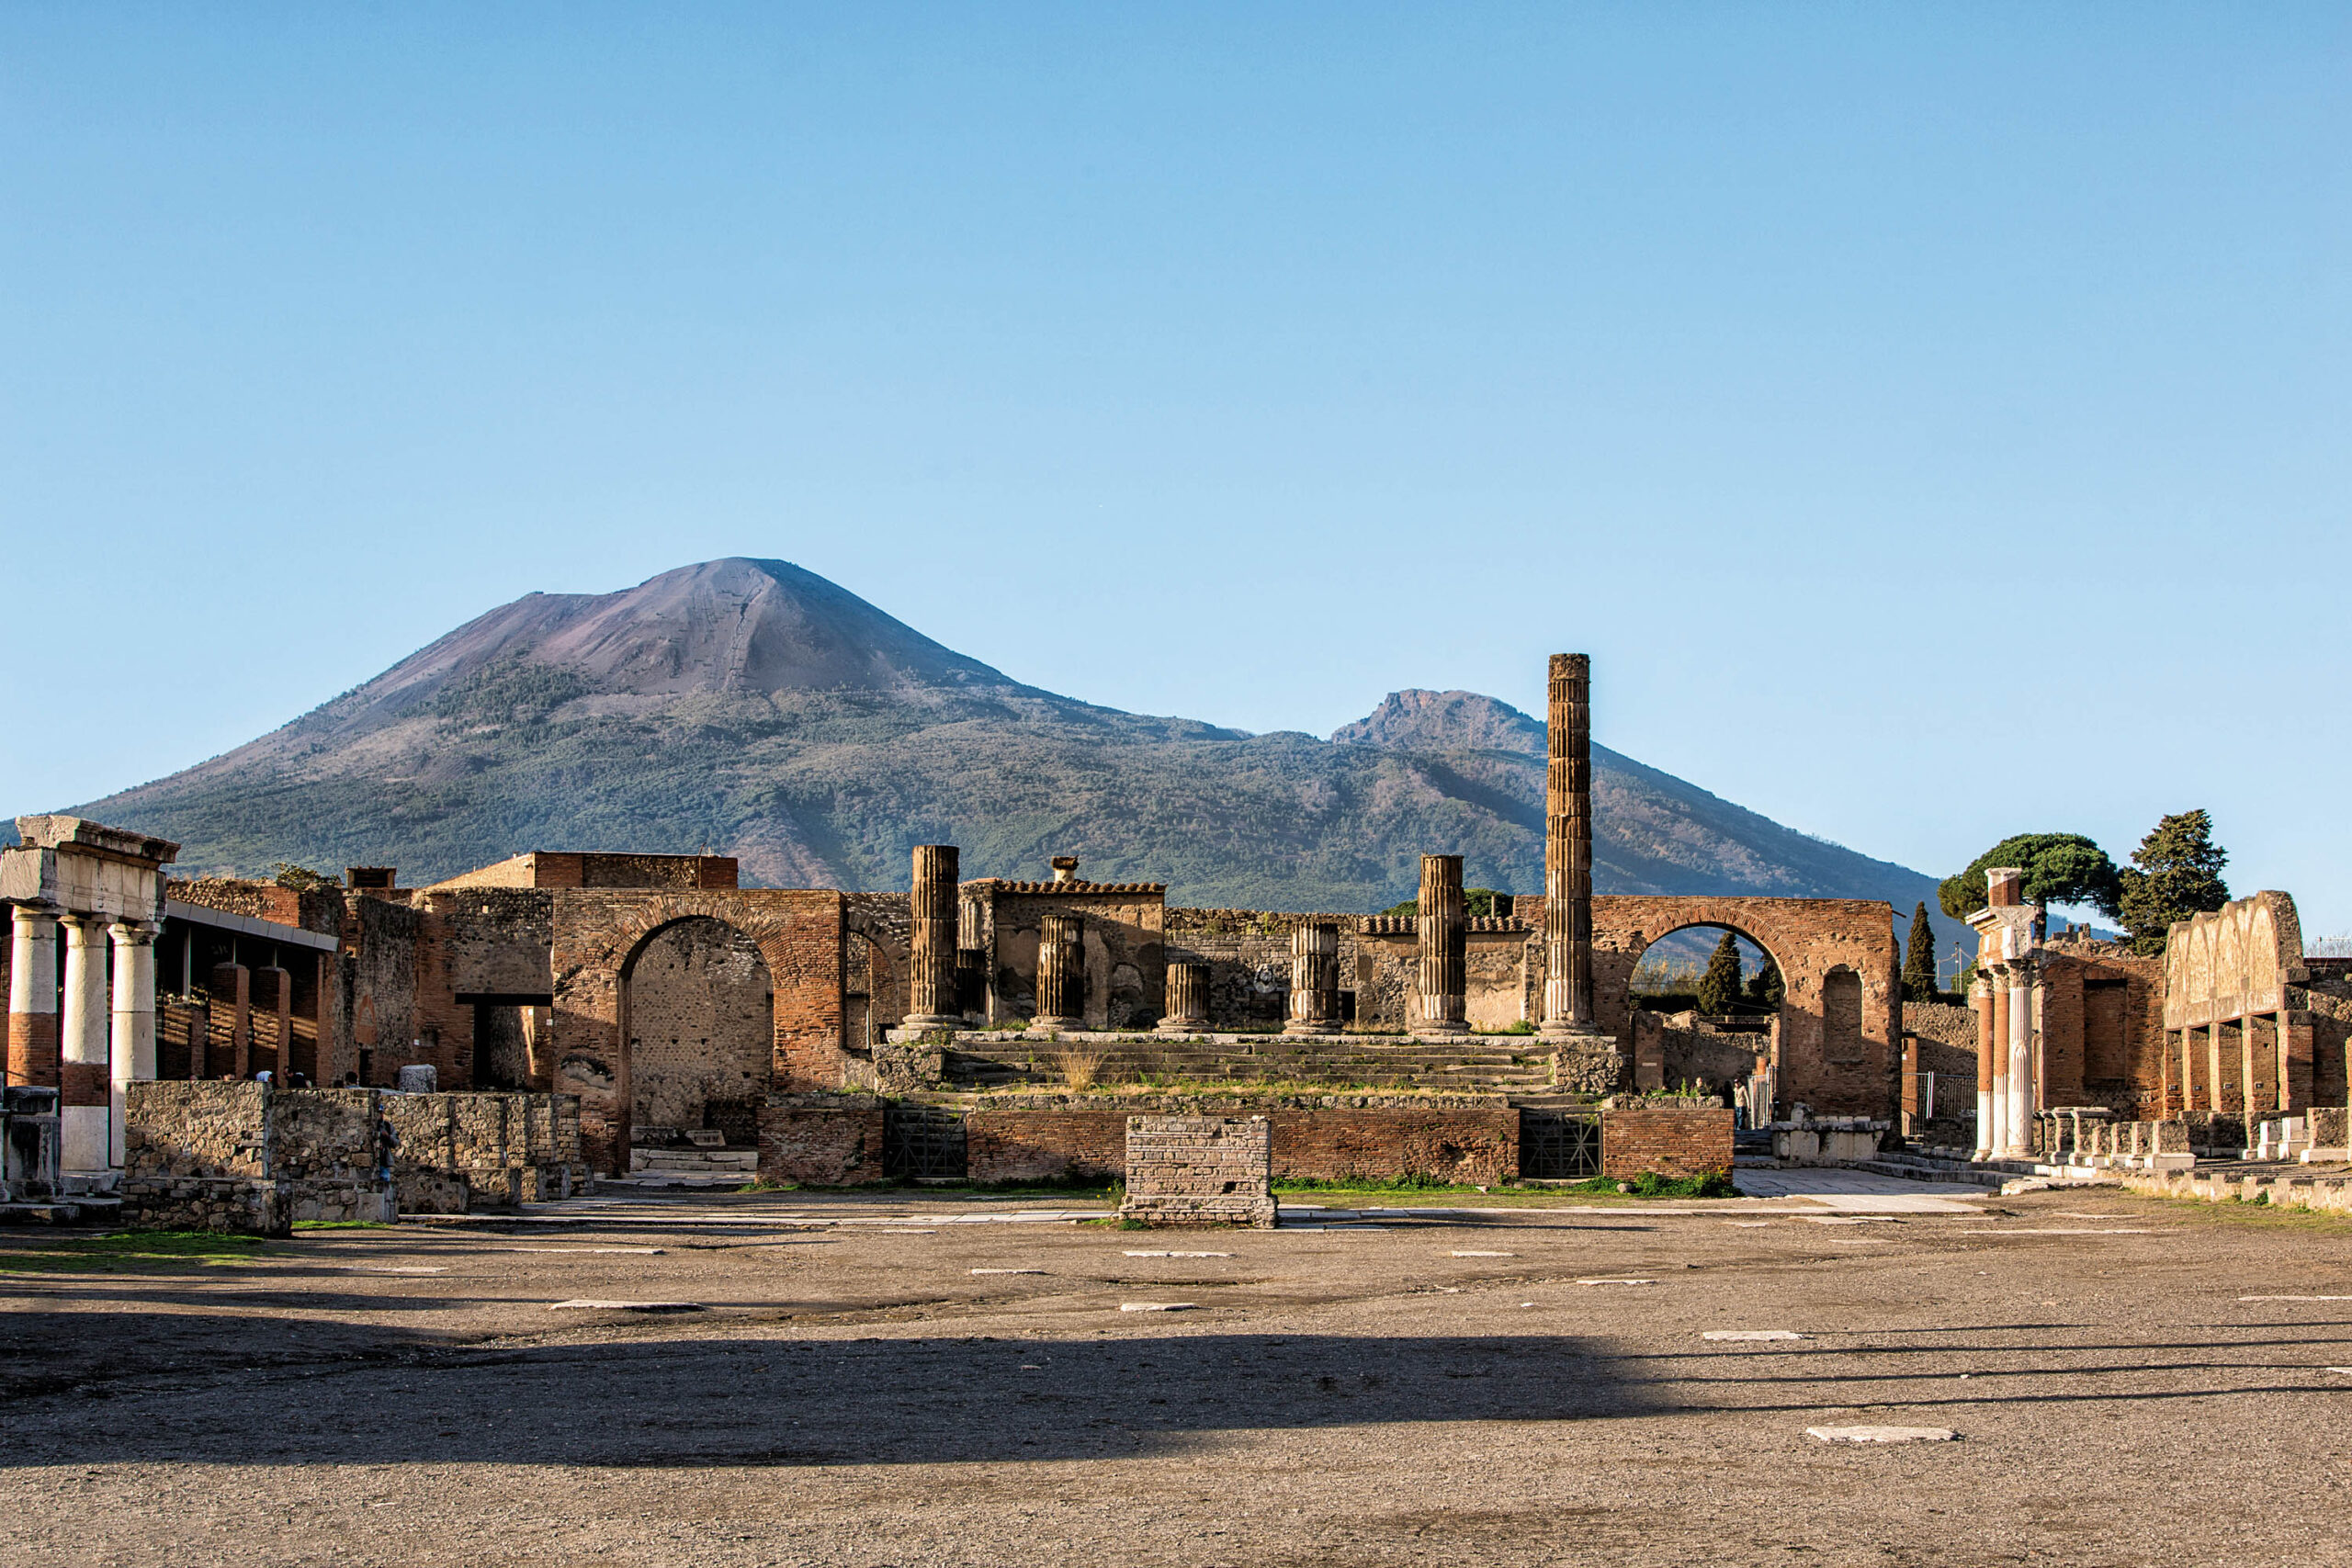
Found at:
(698, 1016)
(1840, 1024)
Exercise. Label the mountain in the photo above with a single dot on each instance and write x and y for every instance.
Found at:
(758, 709)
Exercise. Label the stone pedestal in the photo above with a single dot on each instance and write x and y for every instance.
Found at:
(930, 961)
(1439, 1004)
(1061, 973)
(1188, 1000)
(1314, 980)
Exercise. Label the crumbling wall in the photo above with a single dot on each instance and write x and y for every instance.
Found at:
(457, 1153)
(197, 1156)
(821, 1140)
(329, 1147)
(1248, 952)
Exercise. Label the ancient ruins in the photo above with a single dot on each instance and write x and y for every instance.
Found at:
(664, 1020)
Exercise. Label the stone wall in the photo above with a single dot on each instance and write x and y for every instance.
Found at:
(197, 1156)
(1669, 1140)
(377, 1013)
(1464, 1139)
(701, 1027)
(1200, 1170)
(457, 1153)
(1248, 952)
(328, 1148)
(1120, 944)
(821, 1140)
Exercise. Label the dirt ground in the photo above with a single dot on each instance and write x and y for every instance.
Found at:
(852, 1389)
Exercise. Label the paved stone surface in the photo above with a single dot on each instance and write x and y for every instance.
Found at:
(853, 1396)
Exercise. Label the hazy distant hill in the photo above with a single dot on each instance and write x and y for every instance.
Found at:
(760, 710)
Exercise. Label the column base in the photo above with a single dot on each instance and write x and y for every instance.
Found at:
(933, 1021)
(1439, 1031)
(1071, 1024)
(1181, 1026)
(1310, 1026)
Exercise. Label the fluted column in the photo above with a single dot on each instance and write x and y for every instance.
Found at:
(931, 989)
(1985, 1039)
(133, 1042)
(81, 1047)
(2017, 1125)
(1441, 1006)
(1314, 979)
(1188, 1000)
(1567, 849)
(32, 996)
(1061, 972)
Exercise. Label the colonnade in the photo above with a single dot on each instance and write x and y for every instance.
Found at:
(92, 1035)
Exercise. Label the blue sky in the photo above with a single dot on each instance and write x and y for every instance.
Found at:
(1932, 419)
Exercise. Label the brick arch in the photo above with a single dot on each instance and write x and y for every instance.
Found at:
(598, 934)
(893, 959)
(1806, 939)
(744, 1057)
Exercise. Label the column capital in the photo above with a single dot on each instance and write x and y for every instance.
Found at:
(134, 933)
(85, 928)
(28, 910)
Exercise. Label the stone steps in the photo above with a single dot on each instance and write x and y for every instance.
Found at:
(77, 1211)
(1314, 1060)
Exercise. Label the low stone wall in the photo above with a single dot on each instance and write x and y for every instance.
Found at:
(328, 1146)
(1466, 1139)
(2326, 1192)
(457, 1153)
(1199, 1170)
(1669, 1140)
(197, 1156)
(821, 1140)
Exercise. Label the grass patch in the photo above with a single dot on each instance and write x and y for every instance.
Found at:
(1650, 1184)
(1412, 1181)
(124, 1251)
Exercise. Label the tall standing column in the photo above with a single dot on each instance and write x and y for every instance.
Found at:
(1314, 979)
(32, 996)
(931, 990)
(2017, 1122)
(1061, 972)
(134, 1023)
(1996, 981)
(1567, 849)
(1188, 1000)
(1986, 1043)
(1441, 1008)
(82, 1137)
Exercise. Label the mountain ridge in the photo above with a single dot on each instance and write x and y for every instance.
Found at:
(753, 706)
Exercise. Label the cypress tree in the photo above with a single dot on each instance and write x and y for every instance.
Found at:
(1719, 987)
(1919, 959)
(2175, 873)
(1765, 988)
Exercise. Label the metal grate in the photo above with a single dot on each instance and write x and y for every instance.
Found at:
(1556, 1145)
(923, 1141)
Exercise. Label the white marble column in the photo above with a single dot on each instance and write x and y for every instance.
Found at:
(1995, 1135)
(2017, 1123)
(81, 1047)
(134, 1020)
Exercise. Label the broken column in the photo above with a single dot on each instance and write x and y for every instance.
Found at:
(1314, 978)
(83, 1080)
(932, 962)
(1567, 849)
(1440, 1007)
(32, 996)
(1061, 972)
(1188, 1000)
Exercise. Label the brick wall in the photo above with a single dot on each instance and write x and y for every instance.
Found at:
(1669, 1140)
(821, 1140)
(1200, 1170)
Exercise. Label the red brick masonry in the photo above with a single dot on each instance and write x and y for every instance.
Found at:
(1671, 1142)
